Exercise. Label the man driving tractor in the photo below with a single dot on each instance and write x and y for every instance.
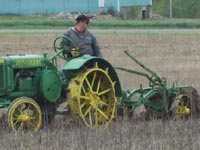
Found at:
(84, 40)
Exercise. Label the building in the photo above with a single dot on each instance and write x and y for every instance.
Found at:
(47, 6)
(124, 6)
(72, 6)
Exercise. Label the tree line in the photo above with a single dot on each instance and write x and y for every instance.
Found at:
(180, 8)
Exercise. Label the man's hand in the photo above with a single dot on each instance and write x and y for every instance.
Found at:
(75, 52)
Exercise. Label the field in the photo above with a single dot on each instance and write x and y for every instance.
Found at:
(175, 56)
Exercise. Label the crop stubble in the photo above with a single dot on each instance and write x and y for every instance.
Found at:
(175, 56)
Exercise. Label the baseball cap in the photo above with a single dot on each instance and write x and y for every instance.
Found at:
(83, 17)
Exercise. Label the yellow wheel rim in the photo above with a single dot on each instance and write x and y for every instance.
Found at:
(92, 98)
(24, 114)
(182, 109)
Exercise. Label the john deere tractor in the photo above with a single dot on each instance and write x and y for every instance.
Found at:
(32, 87)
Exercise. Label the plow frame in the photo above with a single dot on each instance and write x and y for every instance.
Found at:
(158, 97)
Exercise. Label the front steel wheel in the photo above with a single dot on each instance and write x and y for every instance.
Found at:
(24, 114)
(91, 97)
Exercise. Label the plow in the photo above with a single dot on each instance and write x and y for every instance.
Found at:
(32, 88)
(159, 100)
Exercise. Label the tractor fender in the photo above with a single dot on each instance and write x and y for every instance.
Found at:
(89, 62)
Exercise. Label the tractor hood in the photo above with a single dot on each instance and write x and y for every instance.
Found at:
(23, 61)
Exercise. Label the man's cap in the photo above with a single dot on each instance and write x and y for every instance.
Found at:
(83, 17)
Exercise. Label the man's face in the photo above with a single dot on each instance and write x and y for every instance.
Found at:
(82, 26)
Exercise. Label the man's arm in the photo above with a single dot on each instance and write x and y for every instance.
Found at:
(96, 47)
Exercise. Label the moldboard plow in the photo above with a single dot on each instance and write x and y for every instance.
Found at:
(159, 100)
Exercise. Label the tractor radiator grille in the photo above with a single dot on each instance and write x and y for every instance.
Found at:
(1, 77)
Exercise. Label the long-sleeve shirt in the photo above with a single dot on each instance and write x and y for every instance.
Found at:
(86, 42)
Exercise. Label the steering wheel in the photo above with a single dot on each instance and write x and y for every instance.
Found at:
(66, 47)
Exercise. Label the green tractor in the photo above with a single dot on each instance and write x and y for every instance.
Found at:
(32, 87)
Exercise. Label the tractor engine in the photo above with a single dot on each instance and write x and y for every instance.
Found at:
(24, 79)
(29, 75)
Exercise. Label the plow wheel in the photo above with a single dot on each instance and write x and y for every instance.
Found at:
(92, 98)
(188, 104)
(24, 114)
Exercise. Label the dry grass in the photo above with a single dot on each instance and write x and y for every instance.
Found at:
(120, 135)
(175, 56)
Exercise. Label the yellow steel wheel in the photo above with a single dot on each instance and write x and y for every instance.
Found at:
(24, 114)
(91, 96)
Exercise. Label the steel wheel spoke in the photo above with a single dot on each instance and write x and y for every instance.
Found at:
(30, 124)
(28, 109)
(85, 97)
(15, 118)
(87, 111)
(82, 105)
(102, 113)
(88, 83)
(96, 117)
(90, 119)
(32, 118)
(98, 85)
(104, 92)
(94, 77)
(103, 103)
(20, 109)
(21, 125)
(83, 88)
(16, 122)
(14, 114)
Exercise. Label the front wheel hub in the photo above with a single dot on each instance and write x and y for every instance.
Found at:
(94, 99)
(23, 118)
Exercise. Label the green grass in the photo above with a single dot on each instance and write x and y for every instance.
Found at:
(45, 22)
